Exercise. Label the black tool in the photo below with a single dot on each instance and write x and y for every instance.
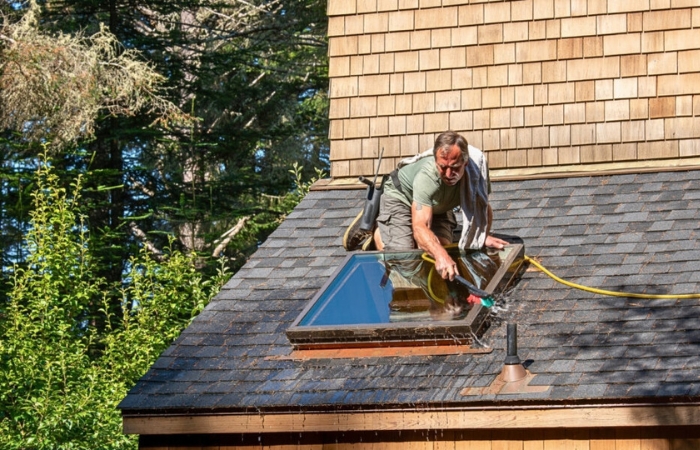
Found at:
(374, 193)
(472, 289)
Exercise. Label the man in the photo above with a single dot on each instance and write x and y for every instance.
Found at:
(416, 208)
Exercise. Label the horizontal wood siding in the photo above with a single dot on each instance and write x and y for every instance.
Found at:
(670, 438)
(540, 85)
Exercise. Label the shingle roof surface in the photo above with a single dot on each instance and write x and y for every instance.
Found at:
(635, 233)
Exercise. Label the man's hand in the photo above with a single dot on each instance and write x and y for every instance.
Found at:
(446, 267)
(494, 242)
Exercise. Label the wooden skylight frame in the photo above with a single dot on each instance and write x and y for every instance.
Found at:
(305, 335)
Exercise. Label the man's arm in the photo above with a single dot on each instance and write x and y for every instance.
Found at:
(422, 217)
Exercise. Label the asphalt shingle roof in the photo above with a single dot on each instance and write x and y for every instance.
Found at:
(634, 233)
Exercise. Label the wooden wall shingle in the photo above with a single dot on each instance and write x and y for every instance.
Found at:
(540, 85)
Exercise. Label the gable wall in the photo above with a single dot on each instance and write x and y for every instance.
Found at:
(540, 85)
(669, 438)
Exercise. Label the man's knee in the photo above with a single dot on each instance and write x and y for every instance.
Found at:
(444, 226)
(393, 237)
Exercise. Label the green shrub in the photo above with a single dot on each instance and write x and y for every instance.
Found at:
(63, 367)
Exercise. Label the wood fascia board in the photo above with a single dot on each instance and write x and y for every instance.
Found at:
(600, 416)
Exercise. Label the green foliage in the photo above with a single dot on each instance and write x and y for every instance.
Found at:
(46, 376)
(61, 374)
(254, 74)
(84, 306)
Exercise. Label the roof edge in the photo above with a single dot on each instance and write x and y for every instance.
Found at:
(591, 170)
(507, 417)
(571, 171)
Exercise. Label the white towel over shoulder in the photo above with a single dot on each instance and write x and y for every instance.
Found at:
(474, 201)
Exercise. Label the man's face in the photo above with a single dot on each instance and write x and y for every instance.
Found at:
(450, 165)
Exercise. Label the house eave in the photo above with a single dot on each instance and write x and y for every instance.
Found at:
(522, 417)
(561, 171)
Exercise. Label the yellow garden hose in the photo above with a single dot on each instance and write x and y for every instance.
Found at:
(605, 292)
(543, 269)
(430, 285)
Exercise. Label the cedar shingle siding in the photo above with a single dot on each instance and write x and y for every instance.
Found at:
(540, 85)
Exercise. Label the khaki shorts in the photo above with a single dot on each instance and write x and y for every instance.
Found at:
(394, 222)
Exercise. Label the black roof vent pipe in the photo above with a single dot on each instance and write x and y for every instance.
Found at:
(513, 370)
(514, 378)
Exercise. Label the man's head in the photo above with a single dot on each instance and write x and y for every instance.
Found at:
(451, 152)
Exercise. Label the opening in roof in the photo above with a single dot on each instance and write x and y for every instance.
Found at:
(397, 299)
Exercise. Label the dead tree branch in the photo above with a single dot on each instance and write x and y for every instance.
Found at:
(230, 234)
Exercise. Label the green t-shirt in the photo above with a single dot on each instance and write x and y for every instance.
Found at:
(421, 182)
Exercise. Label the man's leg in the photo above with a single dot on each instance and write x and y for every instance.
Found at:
(394, 233)
(444, 225)
(394, 230)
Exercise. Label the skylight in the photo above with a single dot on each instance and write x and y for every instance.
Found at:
(396, 298)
